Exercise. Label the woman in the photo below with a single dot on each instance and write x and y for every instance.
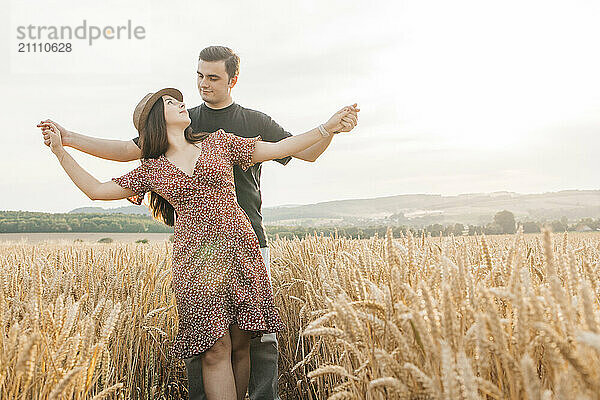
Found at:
(222, 290)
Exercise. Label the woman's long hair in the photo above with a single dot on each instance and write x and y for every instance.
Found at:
(154, 143)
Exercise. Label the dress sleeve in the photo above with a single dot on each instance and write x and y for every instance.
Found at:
(240, 148)
(136, 180)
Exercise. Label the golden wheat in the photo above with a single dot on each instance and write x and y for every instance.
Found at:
(412, 317)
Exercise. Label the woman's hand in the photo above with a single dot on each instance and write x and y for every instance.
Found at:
(52, 138)
(64, 133)
(344, 120)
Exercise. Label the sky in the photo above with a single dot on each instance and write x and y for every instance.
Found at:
(455, 97)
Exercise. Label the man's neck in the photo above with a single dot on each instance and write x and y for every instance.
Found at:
(219, 106)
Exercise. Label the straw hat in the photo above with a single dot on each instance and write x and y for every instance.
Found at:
(140, 114)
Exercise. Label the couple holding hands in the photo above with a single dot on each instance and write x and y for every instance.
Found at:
(201, 167)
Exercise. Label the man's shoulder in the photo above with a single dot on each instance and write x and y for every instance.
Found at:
(252, 112)
(195, 109)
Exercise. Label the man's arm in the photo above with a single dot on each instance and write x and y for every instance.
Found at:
(88, 184)
(313, 152)
(109, 149)
(274, 132)
(348, 122)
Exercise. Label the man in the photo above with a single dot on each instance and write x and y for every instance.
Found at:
(218, 69)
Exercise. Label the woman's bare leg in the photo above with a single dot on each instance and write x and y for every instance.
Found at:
(240, 359)
(217, 374)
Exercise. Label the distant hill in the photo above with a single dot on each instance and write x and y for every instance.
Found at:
(423, 209)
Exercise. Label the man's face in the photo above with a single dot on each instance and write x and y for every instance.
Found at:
(213, 82)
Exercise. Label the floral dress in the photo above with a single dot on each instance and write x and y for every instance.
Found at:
(219, 276)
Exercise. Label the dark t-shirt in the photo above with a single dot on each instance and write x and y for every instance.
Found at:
(242, 122)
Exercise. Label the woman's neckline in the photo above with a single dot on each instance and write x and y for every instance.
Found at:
(201, 147)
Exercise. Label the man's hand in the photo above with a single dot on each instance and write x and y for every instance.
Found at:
(54, 140)
(47, 127)
(350, 121)
(344, 120)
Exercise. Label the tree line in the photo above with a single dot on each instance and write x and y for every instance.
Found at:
(502, 223)
(31, 222)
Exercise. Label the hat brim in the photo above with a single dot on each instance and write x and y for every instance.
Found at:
(148, 106)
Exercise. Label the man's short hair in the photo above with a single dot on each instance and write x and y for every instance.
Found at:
(222, 53)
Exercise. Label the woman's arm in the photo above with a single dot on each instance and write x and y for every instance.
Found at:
(313, 152)
(89, 185)
(109, 149)
(92, 187)
(265, 151)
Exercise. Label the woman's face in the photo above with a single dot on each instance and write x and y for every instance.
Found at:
(175, 112)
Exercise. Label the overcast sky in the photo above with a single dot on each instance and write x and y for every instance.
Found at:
(456, 97)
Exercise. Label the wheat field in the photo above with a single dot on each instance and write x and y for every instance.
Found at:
(410, 317)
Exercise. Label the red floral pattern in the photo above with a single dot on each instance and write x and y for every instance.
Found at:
(219, 276)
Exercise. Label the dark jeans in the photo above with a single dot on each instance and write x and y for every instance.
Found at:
(263, 364)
